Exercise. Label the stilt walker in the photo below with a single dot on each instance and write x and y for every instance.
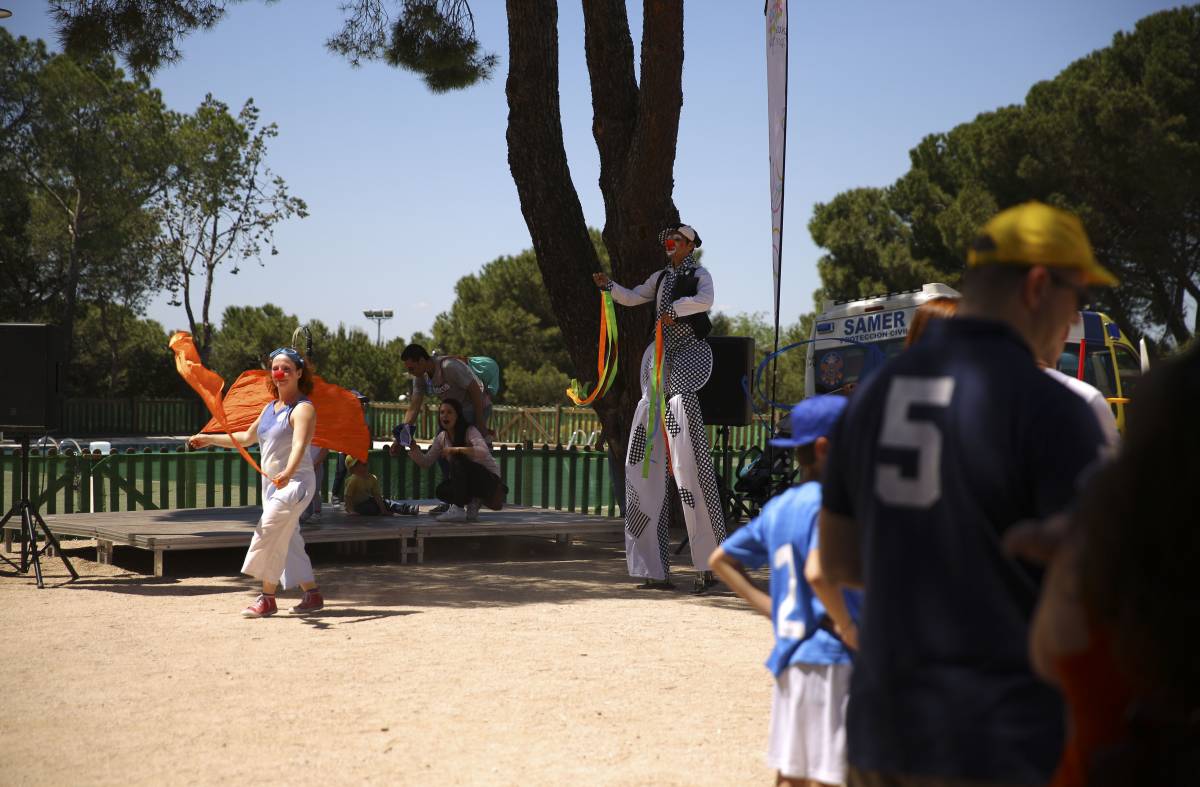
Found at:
(668, 436)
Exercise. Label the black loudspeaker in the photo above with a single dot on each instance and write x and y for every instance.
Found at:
(723, 400)
(31, 363)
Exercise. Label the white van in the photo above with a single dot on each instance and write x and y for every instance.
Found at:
(853, 338)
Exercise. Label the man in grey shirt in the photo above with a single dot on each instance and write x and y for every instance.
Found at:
(446, 378)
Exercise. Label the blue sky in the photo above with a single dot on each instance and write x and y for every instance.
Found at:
(408, 191)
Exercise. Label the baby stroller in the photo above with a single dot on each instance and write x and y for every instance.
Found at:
(759, 475)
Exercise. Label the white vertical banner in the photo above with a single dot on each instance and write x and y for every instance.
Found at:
(777, 77)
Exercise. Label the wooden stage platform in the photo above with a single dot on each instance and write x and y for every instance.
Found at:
(171, 530)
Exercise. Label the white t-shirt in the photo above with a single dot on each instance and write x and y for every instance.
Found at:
(1095, 400)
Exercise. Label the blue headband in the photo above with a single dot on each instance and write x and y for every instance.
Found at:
(291, 354)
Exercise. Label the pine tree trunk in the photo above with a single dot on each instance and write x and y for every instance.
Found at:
(635, 133)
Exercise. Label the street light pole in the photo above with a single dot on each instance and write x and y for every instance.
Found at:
(378, 315)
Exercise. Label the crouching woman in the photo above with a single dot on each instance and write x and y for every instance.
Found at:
(474, 477)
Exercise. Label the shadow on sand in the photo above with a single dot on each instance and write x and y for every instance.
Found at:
(458, 573)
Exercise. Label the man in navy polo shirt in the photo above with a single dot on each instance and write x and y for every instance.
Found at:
(939, 453)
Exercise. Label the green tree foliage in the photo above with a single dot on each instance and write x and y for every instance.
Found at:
(504, 312)
(144, 32)
(85, 150)
(870, 247)
(345, 357)
(106, 197)
(1115, 137)
(543, 386)
(222, 206)
(119, 354)
(432, 38)
(635, 124)
(246, 335)
(350, 358)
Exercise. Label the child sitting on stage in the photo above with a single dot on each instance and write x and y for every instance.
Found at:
(363, 496)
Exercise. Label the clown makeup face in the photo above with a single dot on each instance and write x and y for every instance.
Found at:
(677, 247)
(285, 373)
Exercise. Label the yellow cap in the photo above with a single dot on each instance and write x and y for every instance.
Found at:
(1034, 233)
(350, 461)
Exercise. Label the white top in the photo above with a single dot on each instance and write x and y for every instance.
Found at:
(1095, 400)
(682, 307)
(479, 452)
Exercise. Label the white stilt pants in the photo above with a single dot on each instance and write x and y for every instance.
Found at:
(647, 515)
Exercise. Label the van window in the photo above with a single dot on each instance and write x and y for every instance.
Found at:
(1129, 366)
(834, 367)
(1097, 367)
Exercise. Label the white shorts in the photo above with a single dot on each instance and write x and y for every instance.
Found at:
(808, 722)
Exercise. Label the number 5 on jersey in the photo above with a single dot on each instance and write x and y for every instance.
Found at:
(902, 430)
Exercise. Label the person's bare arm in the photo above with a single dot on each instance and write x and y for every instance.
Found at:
(414, 406)
(430, 457)
(731, 571)
(840, 553)
(245, 439)
(832, 598)
(1060, 622)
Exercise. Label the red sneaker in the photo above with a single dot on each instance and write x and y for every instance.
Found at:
(311, 602)
(263, 606)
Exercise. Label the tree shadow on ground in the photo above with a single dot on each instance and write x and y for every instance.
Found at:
(511, 572)
(150, 586)
(468, 572)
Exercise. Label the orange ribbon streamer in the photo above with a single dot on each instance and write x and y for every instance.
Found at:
(606, 357)
(208, 384)
(340, 423)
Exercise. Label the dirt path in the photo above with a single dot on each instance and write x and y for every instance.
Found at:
(506, 662)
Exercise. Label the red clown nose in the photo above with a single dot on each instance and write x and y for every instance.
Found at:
(670, 244)
(278, 374)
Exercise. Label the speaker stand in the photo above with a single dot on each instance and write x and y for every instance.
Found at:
(30, 551)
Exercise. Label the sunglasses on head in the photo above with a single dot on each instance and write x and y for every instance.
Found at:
(290, 353)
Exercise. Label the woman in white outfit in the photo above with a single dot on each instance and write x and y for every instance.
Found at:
(284, 429)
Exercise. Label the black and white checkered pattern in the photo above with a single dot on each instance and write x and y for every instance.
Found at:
(687, 363)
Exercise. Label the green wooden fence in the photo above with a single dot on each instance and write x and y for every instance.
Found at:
(552, 477)
(545, 477)
(577, 426)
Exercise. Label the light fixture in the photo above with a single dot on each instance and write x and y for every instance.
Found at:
(378, 315)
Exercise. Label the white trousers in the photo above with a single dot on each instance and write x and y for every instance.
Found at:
(276, 551)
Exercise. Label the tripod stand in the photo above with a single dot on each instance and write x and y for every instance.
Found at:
(30, 551)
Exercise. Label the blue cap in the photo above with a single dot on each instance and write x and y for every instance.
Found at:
(812, 418)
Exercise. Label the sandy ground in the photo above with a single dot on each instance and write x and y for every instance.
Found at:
(499, 661)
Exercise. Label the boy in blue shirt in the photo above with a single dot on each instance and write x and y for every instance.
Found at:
(814, 621)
